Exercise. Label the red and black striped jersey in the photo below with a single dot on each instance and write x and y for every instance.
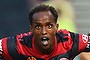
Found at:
(21, 47)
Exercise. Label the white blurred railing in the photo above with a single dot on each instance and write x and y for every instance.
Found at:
(82, 11)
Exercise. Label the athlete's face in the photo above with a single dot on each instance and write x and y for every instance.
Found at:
(44, 30)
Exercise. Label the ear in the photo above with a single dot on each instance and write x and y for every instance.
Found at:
(30, 28)
(57, 25)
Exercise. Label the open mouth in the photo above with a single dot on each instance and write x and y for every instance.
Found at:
(45, 41)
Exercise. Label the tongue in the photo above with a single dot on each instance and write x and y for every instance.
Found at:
(45, 42)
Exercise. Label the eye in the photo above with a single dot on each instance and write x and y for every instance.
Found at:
(38, 27)
(49, 26)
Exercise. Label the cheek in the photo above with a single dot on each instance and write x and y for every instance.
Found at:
(53, 31)
(52, 34)
(36, 33)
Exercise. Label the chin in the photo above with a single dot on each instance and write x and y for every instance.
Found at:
(47, 47)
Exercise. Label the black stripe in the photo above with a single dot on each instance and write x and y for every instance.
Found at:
(60, 37)
(11, 46)
(74, 50)
(27, 40)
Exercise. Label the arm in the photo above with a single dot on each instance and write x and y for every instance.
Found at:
(86, 55)
(8, 48)
(80, 42)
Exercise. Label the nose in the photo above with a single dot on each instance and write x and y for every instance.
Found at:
(44, 32)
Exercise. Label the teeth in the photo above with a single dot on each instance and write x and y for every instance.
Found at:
(44, 38)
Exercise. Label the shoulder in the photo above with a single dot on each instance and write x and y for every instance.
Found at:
(64, 31)
(20, 36)
(63, 35)
(68, 33)
(25, 39)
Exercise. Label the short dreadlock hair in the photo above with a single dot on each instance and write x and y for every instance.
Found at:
(43, 7)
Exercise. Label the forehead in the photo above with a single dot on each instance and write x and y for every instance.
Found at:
(43, 15)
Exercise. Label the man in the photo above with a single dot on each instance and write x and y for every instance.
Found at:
(44, 41)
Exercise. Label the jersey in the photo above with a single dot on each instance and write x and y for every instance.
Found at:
(21, 47)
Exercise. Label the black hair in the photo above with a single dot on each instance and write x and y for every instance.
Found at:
(43, 7)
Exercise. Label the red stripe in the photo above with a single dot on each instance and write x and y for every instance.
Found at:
(82, 45)
(5, 50)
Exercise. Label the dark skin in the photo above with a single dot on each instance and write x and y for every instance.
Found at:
(44, 30)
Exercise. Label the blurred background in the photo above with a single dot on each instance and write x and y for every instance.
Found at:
(82, 12)
(13, 17)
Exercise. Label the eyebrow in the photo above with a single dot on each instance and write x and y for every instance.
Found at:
(38, 23)
(48, 23)
(41, 24)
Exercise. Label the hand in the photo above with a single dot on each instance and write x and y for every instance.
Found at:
(1, 57)
(0, 52)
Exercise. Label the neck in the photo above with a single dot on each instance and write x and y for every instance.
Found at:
(45, 51)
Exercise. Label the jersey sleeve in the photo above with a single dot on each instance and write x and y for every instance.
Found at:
(5, 54)
(80, 42)
(73, 43)
(9, 48)
(83, 42)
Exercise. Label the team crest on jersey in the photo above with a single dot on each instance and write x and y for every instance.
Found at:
(31, 58)
(85, 38)
(63, 59)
